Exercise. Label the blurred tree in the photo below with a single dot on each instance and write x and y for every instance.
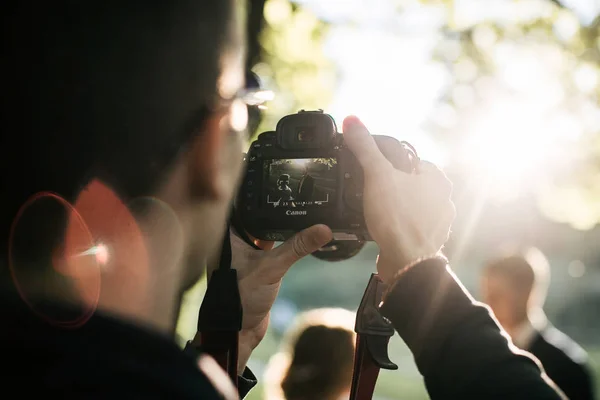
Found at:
(330, 162)
(501, 54)
(256, 21)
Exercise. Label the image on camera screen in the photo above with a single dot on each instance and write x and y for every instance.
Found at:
(300, 182)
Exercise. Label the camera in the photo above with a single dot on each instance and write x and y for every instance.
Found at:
(303, 174)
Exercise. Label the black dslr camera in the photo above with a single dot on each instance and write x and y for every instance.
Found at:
(303, 174)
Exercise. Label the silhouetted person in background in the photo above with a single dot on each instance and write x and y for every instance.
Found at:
(515, 287)
(316, 358)
(306, 187)
(284, 191)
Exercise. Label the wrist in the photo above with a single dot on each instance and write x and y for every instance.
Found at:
(245, 348)
(392, 283)
(244, 353)
(394, 259)
(247, 342)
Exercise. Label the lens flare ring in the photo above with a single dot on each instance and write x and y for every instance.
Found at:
(87, 313)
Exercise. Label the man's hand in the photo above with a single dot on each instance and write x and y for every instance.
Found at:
(408, 215)
(259, 277)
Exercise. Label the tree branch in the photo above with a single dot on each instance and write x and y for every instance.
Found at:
(557, 3)
(255, 25)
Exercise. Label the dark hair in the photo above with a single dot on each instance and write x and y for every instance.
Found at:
(108, 89)
(321, 365)
(515, 268)
(527, 270)
(316, 357)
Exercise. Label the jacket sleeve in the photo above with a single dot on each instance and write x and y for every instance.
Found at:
(457, 345)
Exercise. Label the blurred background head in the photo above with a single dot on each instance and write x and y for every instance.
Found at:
(515, 286)
(284, 180)
(315, 360)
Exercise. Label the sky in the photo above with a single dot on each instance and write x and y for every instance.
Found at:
(384, 61)
(386, 77)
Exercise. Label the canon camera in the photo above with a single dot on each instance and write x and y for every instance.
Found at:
(303, 174)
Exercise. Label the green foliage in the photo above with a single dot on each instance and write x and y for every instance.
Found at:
(293, 62)
(329, 162)
(188, 314)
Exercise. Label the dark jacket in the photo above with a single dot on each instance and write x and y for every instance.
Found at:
(457, 347)
(565, 362)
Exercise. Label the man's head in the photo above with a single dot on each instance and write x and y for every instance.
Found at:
(316, 357)
(137, 97)
(283, 181)
(515, 285)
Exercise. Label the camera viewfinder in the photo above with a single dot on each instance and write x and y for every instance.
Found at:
(305, 134)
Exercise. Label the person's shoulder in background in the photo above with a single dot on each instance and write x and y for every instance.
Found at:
(565, 362)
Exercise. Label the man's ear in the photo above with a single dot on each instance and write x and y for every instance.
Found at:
(206, 152)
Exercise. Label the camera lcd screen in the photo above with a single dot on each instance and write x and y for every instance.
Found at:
(300, 182)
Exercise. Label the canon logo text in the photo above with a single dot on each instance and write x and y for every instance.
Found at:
(290, 212)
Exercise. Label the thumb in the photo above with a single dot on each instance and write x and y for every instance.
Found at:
(302, 244)
(362, 145)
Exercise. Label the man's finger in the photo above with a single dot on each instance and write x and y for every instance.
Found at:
(437, 177)
(302, 244)
(426, 167)
(362, 145)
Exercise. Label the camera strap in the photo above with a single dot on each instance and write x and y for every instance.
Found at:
(220, 321)
(373, 333)
(220, 315)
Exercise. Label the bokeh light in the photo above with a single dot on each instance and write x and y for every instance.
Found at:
(576, 269)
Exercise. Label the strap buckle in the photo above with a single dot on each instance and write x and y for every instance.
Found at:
(373, 335)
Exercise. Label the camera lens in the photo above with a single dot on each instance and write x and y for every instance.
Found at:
(339, 250)
(305, 135)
